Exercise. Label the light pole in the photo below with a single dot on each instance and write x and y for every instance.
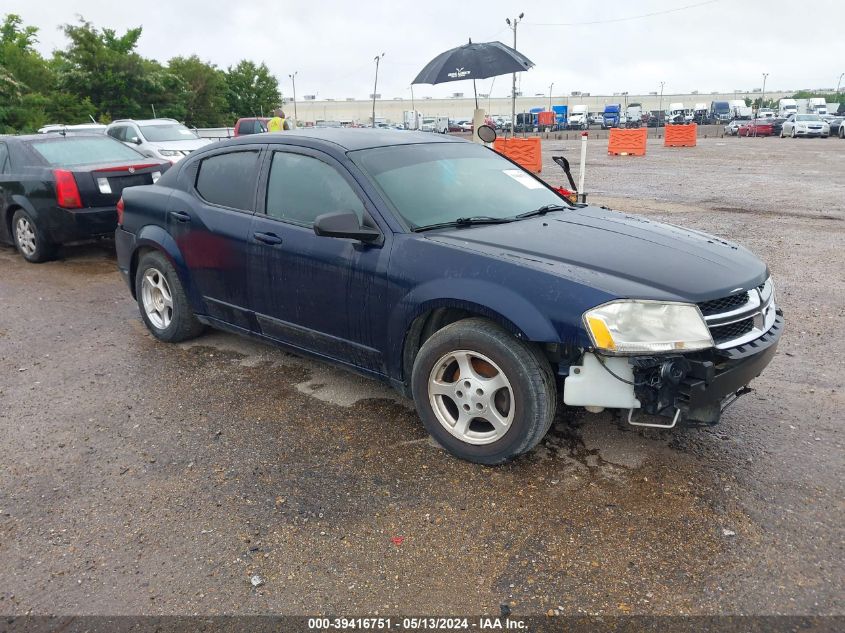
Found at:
(293, 81)
(377, 59)
(839, 83)
(763, 94)
(660, 109)
(550, 95)
(513, 88)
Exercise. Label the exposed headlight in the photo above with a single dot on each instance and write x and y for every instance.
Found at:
(170, 152)
(634, 327)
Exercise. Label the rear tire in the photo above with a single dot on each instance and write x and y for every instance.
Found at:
(162, 301)
(484, 395)
(30, 240)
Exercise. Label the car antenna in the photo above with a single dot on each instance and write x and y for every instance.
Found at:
(93, 120)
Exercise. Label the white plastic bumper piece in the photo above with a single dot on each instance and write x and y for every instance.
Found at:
(591, 385)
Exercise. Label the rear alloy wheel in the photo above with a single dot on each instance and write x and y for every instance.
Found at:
(162, 301)
(842, 131)
(484, 395)
(30, 242)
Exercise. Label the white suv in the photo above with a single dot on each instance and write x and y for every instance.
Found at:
(160, 138)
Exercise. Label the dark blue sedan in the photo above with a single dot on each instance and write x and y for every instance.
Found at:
(443, 268)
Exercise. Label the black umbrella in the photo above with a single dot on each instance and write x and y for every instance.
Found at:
(473, 61)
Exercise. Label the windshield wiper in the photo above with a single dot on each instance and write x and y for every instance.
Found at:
(470, 221)
(541, 211)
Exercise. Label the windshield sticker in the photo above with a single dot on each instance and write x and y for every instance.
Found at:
(524, 179)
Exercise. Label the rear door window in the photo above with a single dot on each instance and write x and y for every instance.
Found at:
(229, 180)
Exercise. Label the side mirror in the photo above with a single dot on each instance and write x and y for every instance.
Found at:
(136, 140)
(344, 224)
(486, 133)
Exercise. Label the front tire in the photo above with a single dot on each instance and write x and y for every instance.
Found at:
(794, 133)
(30, 240)
(485, 396)
(162, 301)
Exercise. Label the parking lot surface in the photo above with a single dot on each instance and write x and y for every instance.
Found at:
(144, 478)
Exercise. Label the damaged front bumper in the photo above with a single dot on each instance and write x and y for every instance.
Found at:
(693, 387)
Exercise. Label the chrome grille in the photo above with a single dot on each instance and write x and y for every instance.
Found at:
(724, 304)
(731, 331)
(742, 317)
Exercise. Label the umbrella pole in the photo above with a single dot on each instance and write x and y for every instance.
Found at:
(476, 94)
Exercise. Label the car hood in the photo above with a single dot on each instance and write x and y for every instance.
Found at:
(624, 255)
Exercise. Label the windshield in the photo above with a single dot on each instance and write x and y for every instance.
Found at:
(84, 150)
(807, 117)
(167, 132)
(432, 183)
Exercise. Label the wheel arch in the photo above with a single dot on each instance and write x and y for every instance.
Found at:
(17, 202)
(523, 321)
(154, 238)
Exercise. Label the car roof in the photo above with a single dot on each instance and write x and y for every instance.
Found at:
(145, 121)
(349, 139)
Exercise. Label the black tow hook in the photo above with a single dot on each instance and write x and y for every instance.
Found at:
(744, 391)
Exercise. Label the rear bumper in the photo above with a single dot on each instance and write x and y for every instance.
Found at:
(66, 225)
(124, 244)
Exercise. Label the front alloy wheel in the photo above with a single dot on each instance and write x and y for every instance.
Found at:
(483, 394)
(471, 397)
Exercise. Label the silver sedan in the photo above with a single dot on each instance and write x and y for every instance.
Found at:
(805, 125)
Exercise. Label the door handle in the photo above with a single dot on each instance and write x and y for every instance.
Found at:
(267, 238)
(180, 216)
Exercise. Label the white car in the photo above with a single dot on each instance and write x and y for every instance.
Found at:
(159, 138)
(765, 113)
(805, 125)
(732, 128)
(80, 128)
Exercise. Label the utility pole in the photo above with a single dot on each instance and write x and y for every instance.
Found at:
(660, 110)
(513, 25)
(377, 59)
(293, 81)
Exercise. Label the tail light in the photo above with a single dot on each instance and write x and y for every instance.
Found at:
(120, 208)
(67, 193)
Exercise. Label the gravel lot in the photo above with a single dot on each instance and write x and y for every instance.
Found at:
(142, 478)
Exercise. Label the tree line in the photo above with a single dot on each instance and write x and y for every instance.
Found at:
(100, 76)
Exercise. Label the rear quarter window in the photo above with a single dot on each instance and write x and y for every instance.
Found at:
(80, 150)
(229, 180)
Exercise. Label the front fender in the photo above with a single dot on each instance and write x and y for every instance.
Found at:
(498, 303)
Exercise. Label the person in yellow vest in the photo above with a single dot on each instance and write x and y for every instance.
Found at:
(278, 122)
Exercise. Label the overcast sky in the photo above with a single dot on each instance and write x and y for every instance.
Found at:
(720, 45)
